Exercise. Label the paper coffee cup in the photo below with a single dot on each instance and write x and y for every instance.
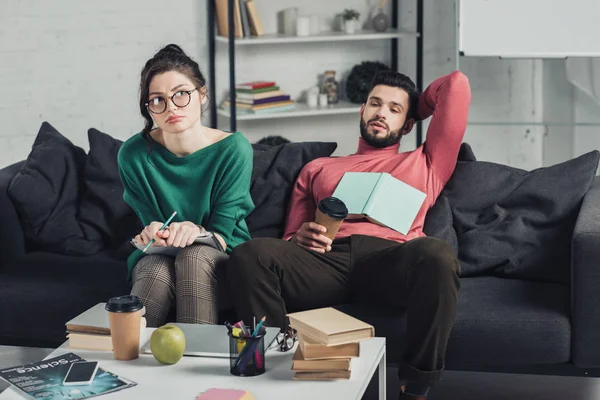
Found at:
(331, 213)
(125, 316)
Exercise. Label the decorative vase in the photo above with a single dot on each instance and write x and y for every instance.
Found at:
(350, 26)
(380, 21)
(330, 87)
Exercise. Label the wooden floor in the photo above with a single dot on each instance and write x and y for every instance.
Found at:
(455, 385)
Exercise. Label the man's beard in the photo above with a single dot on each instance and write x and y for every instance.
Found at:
(393, 137)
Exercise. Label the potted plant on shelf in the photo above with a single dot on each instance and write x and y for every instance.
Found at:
(350, 17)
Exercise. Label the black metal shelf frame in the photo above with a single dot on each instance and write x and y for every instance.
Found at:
(231, 47)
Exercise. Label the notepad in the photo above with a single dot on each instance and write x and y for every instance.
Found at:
(207, 239)
(225, 394)
(381, 198)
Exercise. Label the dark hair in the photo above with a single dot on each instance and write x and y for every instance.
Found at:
(273, 140)
(169, 58)
(396, 79)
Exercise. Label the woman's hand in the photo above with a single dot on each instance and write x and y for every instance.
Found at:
(149, 232)
(181, 234)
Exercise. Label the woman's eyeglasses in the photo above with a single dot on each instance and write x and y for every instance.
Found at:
(182, 98)
(287, 341)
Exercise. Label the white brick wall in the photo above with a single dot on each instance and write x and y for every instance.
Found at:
(76, 64)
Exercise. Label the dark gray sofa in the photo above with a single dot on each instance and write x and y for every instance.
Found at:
(503, 323)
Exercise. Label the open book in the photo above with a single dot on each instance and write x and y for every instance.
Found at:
(206, 238)
(380, 198)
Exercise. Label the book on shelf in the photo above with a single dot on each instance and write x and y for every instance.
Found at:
(259, 90)
(237, 18)
(244, 18)
(299, 363)
(245, 103)
(270, 110)
(313, 350)
(380, 198)
(254, 85)
(256, 26)
(259, 96)
(222, 9)
(266, 100)
(329, 326)
(261, 107)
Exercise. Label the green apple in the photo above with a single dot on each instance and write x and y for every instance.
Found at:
(167, 344)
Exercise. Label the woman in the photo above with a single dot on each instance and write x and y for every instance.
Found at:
(201, 173)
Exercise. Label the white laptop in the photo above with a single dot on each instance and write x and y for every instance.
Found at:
(210, 340)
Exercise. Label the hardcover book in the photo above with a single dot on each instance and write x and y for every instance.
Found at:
(380, 198)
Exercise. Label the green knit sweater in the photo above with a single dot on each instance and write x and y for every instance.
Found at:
(210, 187)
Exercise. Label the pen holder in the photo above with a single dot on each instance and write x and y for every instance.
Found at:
(247, 355)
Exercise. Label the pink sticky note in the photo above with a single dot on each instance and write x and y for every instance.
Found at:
(225, 394)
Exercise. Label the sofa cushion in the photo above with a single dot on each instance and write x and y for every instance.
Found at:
(439, 223)
(466, 153)
(499, 321)
(103, 214)
(273, 177)
(45, 193)
(515, 223)
(49, 289)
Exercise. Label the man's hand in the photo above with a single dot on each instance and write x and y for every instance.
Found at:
(149, 232)
(181, 234)
(310, 236)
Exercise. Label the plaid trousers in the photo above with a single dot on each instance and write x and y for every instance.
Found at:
(193, 282)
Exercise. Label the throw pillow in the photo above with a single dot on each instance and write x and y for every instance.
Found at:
(466, 153)
(104, 216)
(45, 193)
(515, 223)
(273, 177)
(439, 221)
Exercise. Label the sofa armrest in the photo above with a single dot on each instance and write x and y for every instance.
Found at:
(12, 238)
(585, 281)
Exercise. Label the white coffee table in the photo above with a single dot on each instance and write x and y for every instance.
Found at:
(193, 375)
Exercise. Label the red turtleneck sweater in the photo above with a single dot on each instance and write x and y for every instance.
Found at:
(428, 168)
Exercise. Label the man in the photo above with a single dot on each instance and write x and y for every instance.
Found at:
(368, 262)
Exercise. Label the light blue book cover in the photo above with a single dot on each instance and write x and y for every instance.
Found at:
(381, 198)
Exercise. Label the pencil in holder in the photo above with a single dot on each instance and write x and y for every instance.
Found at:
(247, 355)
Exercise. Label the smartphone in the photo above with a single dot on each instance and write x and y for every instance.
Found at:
(81, 373)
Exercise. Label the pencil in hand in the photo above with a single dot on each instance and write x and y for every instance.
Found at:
(167, 222)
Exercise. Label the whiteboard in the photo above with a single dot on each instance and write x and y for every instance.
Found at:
(529, 28)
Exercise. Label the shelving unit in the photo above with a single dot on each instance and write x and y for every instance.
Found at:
(333, 36)
(302, 110)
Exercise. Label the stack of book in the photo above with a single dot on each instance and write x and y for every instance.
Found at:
(90, 330)
(260, 97)
(328, 340)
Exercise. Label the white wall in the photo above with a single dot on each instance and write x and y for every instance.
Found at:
(77, 66)
(586, 111)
